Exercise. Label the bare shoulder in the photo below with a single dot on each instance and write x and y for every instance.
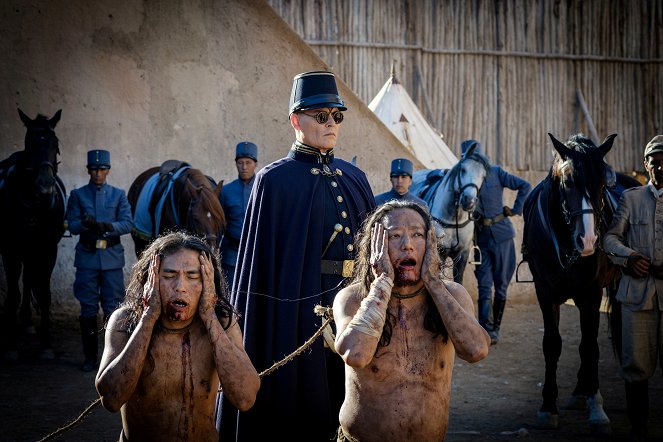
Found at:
(347, 301)
(119, 320)
(348, 294)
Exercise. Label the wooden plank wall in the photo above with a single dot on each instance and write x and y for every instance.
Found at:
(504, 72)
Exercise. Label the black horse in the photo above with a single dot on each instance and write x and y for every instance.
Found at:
(565, 217)
(32, 203)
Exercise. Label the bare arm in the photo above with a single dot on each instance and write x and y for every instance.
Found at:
(238, 377)
(359, 324)
(456, 308)
(124, 356)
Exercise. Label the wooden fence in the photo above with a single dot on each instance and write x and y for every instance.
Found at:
(503, 72)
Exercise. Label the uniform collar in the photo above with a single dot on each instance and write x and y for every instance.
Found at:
(303, 152)
(95, 187)
(657, 192)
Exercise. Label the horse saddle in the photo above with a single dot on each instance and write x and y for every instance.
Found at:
(172, 166)
(152, 199)
(433, 180)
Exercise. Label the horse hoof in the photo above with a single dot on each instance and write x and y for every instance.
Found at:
(576, 402)
(10, 356)
(547, 420)
(599, 423)
(46, 354)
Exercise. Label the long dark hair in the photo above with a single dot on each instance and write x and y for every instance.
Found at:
(363, 273)
(167, 245)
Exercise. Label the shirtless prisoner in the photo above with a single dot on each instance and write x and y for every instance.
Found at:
(171, 343)
(399, 328)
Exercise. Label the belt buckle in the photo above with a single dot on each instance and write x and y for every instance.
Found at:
(101, 244)
(348, 267)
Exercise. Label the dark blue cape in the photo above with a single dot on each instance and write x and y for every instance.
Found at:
(290, 218)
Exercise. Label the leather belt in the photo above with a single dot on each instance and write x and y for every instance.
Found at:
(341, 268)
(101, 243)
(491, 221)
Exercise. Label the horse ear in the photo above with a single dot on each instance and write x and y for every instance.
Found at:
(561, 149)
(27, 121)
(218, 188)
(607, 145)
(470, 150)
(54, 120)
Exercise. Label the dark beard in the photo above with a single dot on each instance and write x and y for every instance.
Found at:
(400, 281)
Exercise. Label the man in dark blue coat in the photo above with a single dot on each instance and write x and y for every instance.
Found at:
(234, 200)
(401, 179)
(494, 236)
(296, 250)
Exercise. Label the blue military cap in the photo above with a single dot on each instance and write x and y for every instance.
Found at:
(400, 167)
(246, 149)
(98, 159)
(465, 145)
(313, 90)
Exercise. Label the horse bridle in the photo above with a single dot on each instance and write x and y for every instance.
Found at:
(569, 216)
(191, 221)
(470, 214)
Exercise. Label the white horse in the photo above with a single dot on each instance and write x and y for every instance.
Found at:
(452, 195)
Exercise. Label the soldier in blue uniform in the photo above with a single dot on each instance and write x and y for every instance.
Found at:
(401, 180)
(295, 252)
(100, 214)
(234, 199)
(494, 236)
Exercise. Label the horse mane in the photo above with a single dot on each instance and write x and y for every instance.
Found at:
(589, 169)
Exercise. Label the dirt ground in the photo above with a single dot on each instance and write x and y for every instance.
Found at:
(493, 400)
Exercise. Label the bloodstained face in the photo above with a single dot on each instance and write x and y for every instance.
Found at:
(180, 287)
(406, 231)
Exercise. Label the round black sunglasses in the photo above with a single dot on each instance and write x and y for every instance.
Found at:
(322, 117)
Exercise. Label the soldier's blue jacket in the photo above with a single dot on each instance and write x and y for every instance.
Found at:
(234, 200)
(106, 204)
(393, 195)
(491, 204)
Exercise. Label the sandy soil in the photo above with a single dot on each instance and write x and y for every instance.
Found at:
(494, 400)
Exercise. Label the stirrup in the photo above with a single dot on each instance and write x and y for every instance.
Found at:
(476, 256)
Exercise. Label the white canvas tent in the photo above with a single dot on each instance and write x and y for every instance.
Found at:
(398, 112)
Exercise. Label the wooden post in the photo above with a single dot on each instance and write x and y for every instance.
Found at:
(590, 122)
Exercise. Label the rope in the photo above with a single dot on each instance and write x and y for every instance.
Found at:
(297, 352)
(319, 310)
(73, 423)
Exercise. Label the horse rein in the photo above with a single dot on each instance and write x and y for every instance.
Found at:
(191, 221)
(569, 216)
(470, 214)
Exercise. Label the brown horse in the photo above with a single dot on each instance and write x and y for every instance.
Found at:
(175, 196)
